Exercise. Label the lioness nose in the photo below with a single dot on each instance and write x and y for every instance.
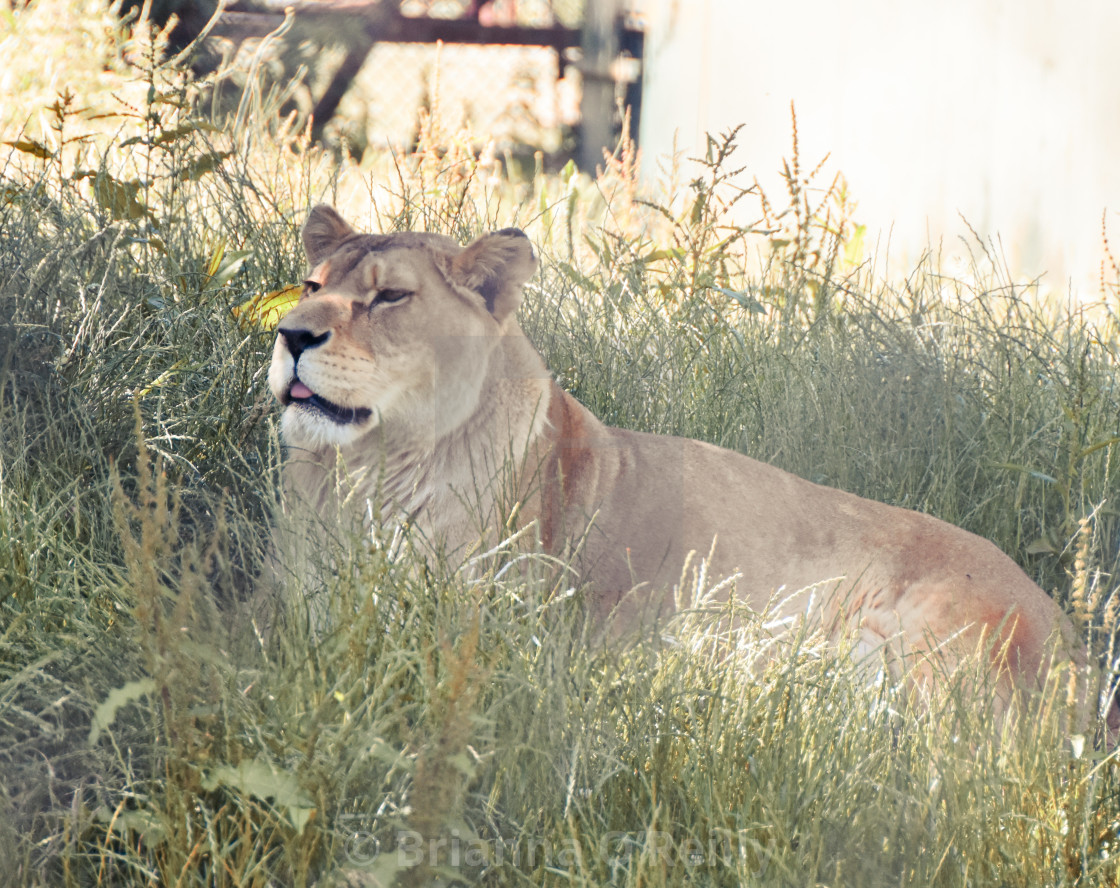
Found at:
(298, 341)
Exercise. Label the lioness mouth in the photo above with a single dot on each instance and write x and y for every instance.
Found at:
(303, 396)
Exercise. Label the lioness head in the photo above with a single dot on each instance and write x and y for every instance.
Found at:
(392, 329)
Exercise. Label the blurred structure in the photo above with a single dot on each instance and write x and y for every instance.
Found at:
(995, 114)
(536, 75)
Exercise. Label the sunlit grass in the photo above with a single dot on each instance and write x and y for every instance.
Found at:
(441, 726)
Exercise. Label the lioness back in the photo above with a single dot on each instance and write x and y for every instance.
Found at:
(890, 571)
(404, 361)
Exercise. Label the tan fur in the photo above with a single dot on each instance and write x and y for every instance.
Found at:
(463, 408)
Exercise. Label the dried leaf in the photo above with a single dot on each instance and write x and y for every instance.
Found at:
(30, 146)
(202, 165)
(185, 129)
(119, 198)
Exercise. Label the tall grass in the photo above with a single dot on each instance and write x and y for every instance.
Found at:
(470, 729)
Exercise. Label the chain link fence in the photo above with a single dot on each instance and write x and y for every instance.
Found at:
(508, 95)
(519, 97)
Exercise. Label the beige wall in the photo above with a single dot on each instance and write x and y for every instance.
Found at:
(1004, 111)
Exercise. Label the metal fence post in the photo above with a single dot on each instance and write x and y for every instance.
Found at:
(600, 49)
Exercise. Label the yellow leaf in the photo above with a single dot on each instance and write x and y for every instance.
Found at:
(266, 310)
(162, 379)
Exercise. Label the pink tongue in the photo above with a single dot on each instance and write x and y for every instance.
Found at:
(300, 391)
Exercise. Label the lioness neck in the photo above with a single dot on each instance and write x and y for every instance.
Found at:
(451, 485)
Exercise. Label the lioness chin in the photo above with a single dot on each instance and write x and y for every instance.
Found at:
(404, 361)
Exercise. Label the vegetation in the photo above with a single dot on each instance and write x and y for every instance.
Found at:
(456, 729)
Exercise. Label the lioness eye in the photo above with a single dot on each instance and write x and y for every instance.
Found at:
(392, 295)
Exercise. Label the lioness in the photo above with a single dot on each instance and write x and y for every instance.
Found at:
(404, 359)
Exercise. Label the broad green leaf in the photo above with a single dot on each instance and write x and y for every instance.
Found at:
(463, 764)
(853, 249)
(381, 872)
(390, 755)
(106, 713)
(1099, 445)
(139, 821)
(222, 267)
(1042, 546)
(698, 207)
(1034, 473)
(744, 299)
(261, 778)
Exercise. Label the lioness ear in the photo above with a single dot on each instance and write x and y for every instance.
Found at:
(496, 266)
(323, 231)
